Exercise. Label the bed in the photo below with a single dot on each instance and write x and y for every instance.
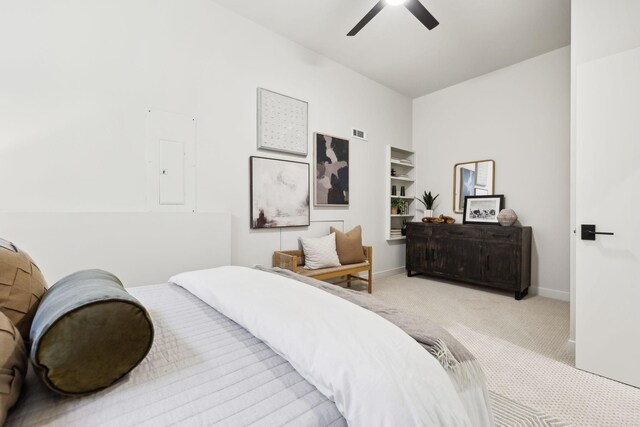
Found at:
(207, 369)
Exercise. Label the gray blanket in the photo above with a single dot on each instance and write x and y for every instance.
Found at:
(461, 365)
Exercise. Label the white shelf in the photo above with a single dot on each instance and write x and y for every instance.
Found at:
(404, 163)
(397, 150)
(399, 163)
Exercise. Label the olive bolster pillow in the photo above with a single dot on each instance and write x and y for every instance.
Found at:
(88, 333)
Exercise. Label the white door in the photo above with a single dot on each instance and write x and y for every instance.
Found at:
(608, 196)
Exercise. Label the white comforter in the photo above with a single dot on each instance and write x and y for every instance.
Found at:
(376, 374)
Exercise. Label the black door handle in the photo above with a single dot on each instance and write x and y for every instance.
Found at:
(589, 232)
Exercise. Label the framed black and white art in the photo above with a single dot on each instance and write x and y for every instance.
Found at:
(282, 123)
(482, 209)
(279, 193)
(332, 170)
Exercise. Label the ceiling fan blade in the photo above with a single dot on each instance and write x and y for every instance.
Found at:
(420, 12)
(368, 17)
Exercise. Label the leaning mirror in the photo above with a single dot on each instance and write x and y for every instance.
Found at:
(472, 179)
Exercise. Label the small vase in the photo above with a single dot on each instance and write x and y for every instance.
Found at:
(428, 213)
(394, 211)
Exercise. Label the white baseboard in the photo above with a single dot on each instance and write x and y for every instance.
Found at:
(388, 273)
(571, 347)
(543, 292)
(551, 293)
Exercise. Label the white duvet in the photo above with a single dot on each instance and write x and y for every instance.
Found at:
(376, 374)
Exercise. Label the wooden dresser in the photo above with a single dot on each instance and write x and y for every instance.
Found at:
(489, 255)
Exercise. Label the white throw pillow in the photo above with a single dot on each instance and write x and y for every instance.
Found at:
(320, 252)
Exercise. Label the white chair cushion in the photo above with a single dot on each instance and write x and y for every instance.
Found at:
(320, 252)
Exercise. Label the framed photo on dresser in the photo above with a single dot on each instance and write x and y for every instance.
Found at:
(482, 209)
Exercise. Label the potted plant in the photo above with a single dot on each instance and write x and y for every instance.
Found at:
(403, 229)
(428, 200)
(397, 206)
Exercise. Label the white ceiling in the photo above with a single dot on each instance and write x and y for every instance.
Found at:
(474, 36)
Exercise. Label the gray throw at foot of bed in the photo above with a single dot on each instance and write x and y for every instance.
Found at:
(463, 368)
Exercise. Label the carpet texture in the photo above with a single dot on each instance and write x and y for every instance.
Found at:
(522, 346)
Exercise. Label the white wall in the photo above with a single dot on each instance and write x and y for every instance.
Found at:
(78, 76)
(598, 29)
(519, 117)
(126, 244)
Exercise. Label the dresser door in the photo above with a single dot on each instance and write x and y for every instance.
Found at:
(501, 265)
(416, 253)
(455, 257)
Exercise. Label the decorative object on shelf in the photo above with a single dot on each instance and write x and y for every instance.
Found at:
(402, 193)
(439, 220)
(403, 230)
(393, 172)
(398, 206)
(482, 209)
(428, 200)
(394, 191)
(332, 170)
(282, 123)
(507, 217)
(476, 178)
(279, 193)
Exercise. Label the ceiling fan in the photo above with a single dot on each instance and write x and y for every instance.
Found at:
(414, 6)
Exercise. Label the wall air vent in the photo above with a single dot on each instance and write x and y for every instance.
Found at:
(359, 134)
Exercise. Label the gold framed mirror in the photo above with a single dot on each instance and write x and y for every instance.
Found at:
(476, 178)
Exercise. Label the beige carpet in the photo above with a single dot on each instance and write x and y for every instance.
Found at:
(522, 346)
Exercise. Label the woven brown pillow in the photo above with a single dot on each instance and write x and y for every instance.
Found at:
(13, 365)
(349, 245)
(21, 287)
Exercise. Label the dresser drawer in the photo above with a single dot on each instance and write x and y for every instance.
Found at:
(453, 231)
(501, 234)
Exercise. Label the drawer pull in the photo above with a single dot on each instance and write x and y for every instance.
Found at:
(503, 236)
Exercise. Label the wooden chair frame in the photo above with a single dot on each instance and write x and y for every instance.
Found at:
(290, 260)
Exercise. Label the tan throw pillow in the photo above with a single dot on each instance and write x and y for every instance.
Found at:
(349, 246)
(320, 252)
(13, 365)
(21, 287)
